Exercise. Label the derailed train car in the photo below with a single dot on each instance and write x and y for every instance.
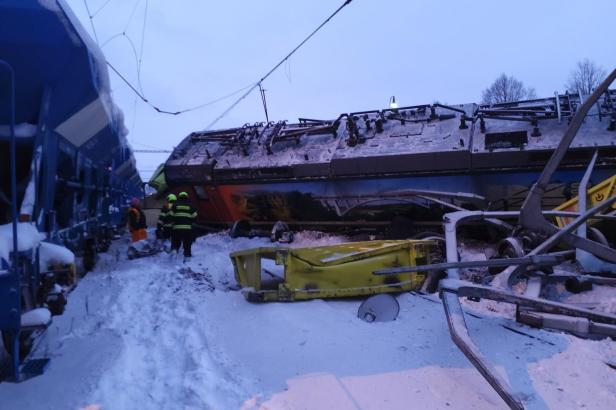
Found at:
(413, 163)
(74, 168)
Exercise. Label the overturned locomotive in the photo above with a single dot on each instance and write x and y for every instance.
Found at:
(366, 168)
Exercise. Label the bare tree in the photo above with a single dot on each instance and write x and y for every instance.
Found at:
(506, 88)
(585, 77)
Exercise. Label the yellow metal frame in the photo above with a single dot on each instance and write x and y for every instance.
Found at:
(597, 194)
(333, 271)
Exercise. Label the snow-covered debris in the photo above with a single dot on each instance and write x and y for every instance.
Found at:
(316, 238)
(167, 335)
(52, 254)
(36, 317)
(28, 237)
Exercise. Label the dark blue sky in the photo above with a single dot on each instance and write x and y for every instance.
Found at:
(198, 50)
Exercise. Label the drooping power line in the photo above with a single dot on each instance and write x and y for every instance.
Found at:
(250, 88)
(90, 16)
(258, 83)
(101, 8)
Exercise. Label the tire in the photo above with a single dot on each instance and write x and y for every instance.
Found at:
(510, 247)
(240, 228)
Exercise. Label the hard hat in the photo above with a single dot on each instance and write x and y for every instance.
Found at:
(171, 198)
(183, 194)
(135, 201)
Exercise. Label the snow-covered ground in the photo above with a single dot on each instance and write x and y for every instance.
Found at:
(141, 335)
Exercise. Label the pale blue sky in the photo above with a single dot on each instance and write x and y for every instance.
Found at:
(198, 50)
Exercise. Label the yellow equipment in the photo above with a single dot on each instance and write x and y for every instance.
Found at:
(596, 195)
(287, 274)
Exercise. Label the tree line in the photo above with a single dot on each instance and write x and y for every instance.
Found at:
(583, 78)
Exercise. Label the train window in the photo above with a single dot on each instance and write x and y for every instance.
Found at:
(513, 139)
(200, 191)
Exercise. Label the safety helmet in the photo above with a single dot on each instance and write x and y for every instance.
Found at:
(183, 194)
(171, 198)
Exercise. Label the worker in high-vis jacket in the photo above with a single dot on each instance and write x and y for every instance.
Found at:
(164, 225)
(136, 221)
(183, 216)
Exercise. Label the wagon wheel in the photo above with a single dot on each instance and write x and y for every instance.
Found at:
(240, 228)
(510, 247)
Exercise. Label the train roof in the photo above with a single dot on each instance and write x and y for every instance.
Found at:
(417, 139)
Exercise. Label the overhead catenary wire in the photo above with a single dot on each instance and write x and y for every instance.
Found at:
(250, 88)
(139, 58)
(101, 8)
(90, 16)
(134, 50)
(132, 14)
(145, 19)
(145, 145)
(162, 111)
(258, 83)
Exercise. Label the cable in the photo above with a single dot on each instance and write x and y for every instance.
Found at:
(160, 110)
(146, 145)
(145, 19)
(224, 113)
(251, 87)
(134, 49)
(139, 93)
(101, 8)
(132, 14)
(85, 2)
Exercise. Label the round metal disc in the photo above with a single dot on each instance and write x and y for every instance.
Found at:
(379, 308)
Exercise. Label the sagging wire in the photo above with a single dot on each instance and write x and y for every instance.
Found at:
(90, 16)
(258, 83)
(138, 56)
(101, 8)
(145, 19)
(138, 59)
(162, 111)
(134, 49)
(250, 87)
(132, 14)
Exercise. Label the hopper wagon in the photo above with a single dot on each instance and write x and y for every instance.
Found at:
(74, 170)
